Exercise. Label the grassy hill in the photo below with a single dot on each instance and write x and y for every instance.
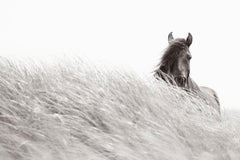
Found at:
(71, 110)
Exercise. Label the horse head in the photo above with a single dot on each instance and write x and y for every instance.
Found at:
(175, 62)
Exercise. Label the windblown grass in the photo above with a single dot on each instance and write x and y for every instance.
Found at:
(71, 110)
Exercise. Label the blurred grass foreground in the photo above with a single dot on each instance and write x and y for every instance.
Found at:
(71, 110)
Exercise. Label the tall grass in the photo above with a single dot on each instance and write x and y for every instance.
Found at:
(71, 110)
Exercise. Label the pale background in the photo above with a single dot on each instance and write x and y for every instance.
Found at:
(129, 34)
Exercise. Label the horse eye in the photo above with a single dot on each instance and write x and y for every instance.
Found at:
(189, 57)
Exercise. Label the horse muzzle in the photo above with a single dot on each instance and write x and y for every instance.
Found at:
(181, 81)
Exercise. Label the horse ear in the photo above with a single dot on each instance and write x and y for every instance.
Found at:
(170, 37)
(189, 40)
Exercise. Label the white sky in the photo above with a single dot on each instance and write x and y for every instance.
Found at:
(130, 34)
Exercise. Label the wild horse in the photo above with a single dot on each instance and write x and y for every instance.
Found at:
(174, 68)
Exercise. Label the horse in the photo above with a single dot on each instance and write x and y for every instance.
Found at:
(174, 69)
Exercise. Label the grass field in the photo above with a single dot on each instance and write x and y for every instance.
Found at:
(73, 110)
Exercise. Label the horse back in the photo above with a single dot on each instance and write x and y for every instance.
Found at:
(206, 93)
(210, 95)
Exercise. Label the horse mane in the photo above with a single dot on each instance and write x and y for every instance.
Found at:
(170, 54)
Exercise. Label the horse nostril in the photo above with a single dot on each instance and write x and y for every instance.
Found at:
(184, 80)
(181, 80)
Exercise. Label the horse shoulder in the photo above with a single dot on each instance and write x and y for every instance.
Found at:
(206, 93)
(192, 85)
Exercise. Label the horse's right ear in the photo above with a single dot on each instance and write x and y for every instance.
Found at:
(170, 37)
(189, 39)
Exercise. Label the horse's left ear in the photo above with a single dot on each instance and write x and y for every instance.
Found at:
(170, 37)
(189, 40)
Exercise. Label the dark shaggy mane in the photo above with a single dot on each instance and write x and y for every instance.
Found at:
(171, 53)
